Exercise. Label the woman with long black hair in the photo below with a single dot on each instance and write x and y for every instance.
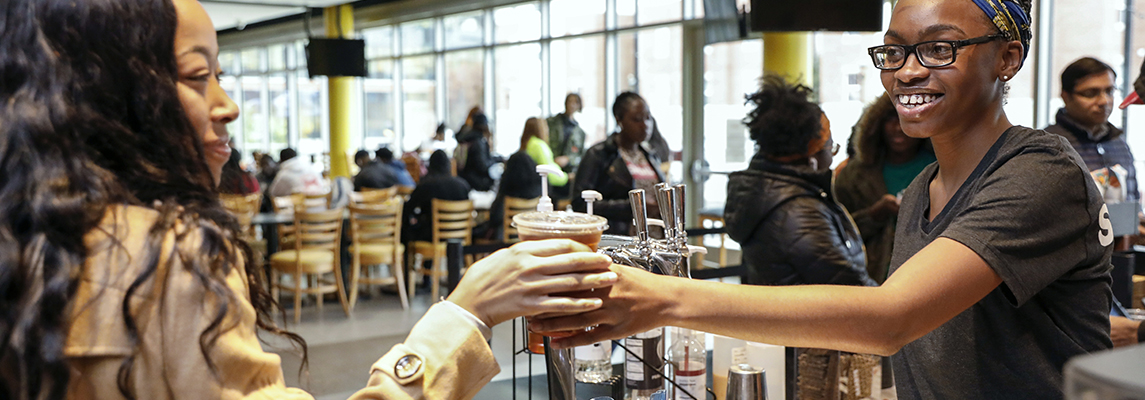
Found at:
(120, 271)
(1000, 272)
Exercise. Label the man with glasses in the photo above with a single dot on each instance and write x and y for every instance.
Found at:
(1088, 91)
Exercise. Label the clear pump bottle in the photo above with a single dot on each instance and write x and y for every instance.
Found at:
(688, 356)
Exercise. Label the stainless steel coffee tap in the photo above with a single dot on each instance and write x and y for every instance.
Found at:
(668, 256)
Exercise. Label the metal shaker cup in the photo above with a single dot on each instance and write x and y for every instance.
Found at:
(746, 383)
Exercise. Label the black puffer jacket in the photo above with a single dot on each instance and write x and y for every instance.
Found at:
(603, 170)
(791, 229)
(478, 159)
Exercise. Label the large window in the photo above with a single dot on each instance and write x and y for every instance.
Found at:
(517, 89)
(464, 83)
(651, 64)
(1092, 28)
(417, 36)
(379, 105)
(419, 84)
(464, 30)
(517, 23)
(577, 66)
(730, 72)
(578, 16)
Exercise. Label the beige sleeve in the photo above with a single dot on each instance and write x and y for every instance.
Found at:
(174, 308)
(444, 357)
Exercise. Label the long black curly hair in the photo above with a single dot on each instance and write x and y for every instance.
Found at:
(784, 119)
(90, 120)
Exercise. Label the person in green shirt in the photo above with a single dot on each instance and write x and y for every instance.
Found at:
(534, 142)
(566, 138)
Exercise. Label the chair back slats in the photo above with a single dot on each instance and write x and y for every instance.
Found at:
(377, 223)
(452, 219)
(311, 201)
(318, 229)
(283, 204)
(514, 206)
(374, 196)
(244, 209)
(405, 191)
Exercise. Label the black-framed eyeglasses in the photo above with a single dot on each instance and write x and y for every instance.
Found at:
(931, 54)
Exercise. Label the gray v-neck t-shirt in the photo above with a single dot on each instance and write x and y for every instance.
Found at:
(1032, 212)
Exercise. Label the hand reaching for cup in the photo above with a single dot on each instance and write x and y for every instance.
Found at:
(523, 280)
(630, 307)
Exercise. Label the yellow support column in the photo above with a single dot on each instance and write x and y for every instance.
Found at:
(788, 54)
(340, 90)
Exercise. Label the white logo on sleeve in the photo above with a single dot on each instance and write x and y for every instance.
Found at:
(1104, 227)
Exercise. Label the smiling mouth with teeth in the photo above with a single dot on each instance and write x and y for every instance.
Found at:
(915, 100)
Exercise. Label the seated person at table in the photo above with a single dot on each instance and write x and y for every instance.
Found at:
(439, 183)
(520, 180)
(398, 167)
(235, 180)
(374, 174)
(296, 175)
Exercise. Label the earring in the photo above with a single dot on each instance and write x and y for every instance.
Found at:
(1005, 77)
(814, 163)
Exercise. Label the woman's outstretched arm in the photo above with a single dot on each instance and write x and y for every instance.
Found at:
(942, 280)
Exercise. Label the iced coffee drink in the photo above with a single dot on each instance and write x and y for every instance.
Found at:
(540, 225)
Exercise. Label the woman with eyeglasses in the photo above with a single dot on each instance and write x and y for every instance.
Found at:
(1000, 271)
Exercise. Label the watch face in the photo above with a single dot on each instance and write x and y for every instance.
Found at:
(407, 366)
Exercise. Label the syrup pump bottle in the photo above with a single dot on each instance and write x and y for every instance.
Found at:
(640, 379)
(593, 362)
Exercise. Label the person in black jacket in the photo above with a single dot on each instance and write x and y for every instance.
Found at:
(374, 174)
(781, 209)
(474, 167)
(439, 183)
(521, 181)
(619, 164)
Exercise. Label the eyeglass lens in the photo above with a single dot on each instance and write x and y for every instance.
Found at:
(930, 54)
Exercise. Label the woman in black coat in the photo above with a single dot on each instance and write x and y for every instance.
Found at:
(619, 164)
(781, 209)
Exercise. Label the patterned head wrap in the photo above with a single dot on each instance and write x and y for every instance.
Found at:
(1011, 19)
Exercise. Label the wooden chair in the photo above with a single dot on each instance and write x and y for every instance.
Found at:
(244, 208)
(452, 219)
(514, 206)
(375, 237)
(413, 166)
(374, 196)
(316, 251)
(404, 191)
(311, 201)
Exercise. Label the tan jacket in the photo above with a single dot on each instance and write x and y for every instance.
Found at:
(172, 309)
